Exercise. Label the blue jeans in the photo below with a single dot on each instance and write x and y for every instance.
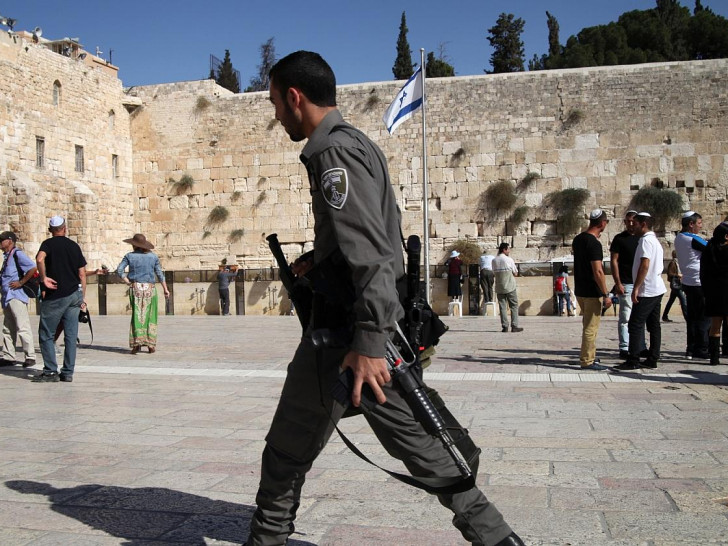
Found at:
(52, 313)
(625, 311)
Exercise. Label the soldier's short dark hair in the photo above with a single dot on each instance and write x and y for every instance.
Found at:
(307, 71)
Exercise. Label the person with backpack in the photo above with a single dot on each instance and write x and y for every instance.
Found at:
(17, 271)
(563, 292)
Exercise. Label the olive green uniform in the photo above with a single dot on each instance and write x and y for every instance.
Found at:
(355, 213)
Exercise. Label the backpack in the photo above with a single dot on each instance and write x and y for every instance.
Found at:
(560, 286)
(32, 285)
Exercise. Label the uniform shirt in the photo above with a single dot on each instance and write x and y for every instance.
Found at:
(689, 247)
(143, 266)
(649, 247)
(625, 246)
(355, 211)
(504, 268)
(586, 249)
(486, 261)
(63, 260)
(10, 274)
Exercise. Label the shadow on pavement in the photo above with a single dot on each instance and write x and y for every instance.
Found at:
(148, 514)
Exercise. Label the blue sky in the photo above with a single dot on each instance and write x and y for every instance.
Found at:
(158, 41)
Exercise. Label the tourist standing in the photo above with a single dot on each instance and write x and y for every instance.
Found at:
(714, 280)
(505, 287)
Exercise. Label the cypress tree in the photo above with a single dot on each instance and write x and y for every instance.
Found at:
(403, 68)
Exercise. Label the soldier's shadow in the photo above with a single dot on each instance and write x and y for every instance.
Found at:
(148, 514)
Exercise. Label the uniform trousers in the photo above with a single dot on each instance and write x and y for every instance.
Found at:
(303, 424)
(16, 324)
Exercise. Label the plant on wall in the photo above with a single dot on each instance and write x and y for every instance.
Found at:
(202, 104)
(519, 214)
(500, 196)
(568, 205)
(527, 181)
(236, 195)
(457, 157)
(183, 185)
(217, 216)
(236, 235)
(574, 117)
(662, 204)
(469, 251)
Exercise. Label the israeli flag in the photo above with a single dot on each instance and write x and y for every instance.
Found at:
(406, 103)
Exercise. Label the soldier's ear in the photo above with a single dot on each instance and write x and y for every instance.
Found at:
(293, 97)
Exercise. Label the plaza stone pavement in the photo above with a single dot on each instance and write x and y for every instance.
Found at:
(165, 448)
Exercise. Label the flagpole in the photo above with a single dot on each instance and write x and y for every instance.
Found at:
(425, 215)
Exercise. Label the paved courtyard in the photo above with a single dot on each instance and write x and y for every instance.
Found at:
(165, 448)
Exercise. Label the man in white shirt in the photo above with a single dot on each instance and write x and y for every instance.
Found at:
(646, 295)
(505, 271)
(487, 277)
(689, 247)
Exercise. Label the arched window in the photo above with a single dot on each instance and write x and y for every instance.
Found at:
(56, 93)
(112, 118)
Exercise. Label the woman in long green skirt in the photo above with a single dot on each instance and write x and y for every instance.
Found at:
(144, 266)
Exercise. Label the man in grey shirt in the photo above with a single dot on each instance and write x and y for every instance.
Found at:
(223, 283)
(505, 287)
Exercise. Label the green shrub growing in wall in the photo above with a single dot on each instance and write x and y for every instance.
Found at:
(236, 235)
(527, 181)
(519, 214)
(568, 205)
(662, 204)
(500, 195)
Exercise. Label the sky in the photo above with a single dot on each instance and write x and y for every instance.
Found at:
(162, 41)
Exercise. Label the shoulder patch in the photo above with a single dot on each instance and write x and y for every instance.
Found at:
(335, 187)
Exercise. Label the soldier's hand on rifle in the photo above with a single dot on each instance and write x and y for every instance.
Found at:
(372, 371)
(302, 266)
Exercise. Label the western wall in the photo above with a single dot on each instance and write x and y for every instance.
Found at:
(207, 174)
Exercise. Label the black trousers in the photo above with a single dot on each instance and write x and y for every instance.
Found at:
(225, 300)
(645, 313)
(697, 323)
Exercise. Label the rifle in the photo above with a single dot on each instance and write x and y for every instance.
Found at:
(298, 288)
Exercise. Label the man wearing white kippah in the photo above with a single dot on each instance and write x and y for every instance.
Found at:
(646, 296)
(689, 246)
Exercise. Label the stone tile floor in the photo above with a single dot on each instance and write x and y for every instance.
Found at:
(165, 448)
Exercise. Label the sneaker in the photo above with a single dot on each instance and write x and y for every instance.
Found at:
(594, 366)
(625, 366)
(623, 353)
(652, 364)
(504, 329)
(65, 378)
(6, 362)
(516, 329)
(45, 377)
(29, 362)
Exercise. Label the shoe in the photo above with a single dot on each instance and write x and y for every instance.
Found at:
(666, 319)
(594, 366)
(65, 378)
(572, 314)
(652, 364)
(504, 329)
(45, 377)
(29, 362)
(6, 362)
(152, 349)
(577, 363)
(623, 353)
(626, 366)
(516, 329)
(702, 355)
(511, 540)
(135, 349)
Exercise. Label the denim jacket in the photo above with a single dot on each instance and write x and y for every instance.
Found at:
(142, 267)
